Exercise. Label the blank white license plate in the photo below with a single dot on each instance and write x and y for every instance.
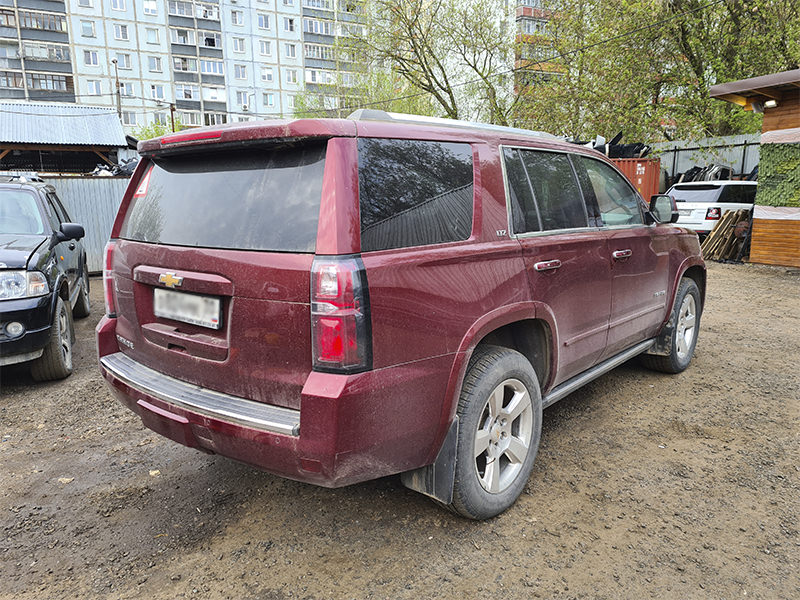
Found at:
(189, 308)
(685, 212)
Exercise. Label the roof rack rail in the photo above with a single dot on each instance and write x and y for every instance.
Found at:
(370, 114)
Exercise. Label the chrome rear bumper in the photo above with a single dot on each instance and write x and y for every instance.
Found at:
(210, 403)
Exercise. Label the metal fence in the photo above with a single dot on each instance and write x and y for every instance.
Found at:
(93, 202)
(740, 152)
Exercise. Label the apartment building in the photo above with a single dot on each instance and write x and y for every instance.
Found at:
(534, 43)
(208, 61)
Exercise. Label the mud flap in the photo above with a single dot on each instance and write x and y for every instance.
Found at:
(663, 343)
(436, 480)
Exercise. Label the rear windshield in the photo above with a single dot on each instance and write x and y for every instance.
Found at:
(696, 193)
(259, 199)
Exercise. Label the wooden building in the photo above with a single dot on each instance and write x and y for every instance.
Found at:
(776, 218)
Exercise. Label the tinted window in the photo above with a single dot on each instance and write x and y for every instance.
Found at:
(413, 193)
(743, 194)
(19, 213)
(525, 215)
(555, 189)
(261, 199)
(616, 199)
(62, 212)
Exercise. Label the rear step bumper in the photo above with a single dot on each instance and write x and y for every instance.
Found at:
(256, 415)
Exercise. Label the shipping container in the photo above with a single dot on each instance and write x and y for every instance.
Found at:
(643, 173)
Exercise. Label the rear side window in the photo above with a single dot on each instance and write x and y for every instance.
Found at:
(556, 202)
(259, 199)
(413, 193)
(743, 194)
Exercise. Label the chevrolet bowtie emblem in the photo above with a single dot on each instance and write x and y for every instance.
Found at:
(170, 280)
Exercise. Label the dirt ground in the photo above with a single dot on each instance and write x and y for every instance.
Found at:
(646, 486)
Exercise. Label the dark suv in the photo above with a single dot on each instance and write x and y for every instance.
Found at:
(338, 300)
(43, 278)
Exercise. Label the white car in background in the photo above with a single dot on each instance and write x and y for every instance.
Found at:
(701, 204)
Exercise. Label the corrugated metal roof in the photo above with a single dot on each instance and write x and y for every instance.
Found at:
(61, 124)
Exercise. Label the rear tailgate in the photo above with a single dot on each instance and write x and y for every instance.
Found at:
(212, 269)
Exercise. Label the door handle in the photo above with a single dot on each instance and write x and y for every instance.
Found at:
(72, 245)
(547, 265)
(619, 254)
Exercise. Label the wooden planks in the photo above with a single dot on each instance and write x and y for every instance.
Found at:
(725, 241)
(776, 242)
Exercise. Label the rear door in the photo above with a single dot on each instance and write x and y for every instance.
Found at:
(212, 268)
(566, 260)
(639, 256)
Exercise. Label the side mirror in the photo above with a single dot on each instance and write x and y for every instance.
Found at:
(70, 231)
(664, 209)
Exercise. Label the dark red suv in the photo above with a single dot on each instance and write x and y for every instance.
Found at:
(338, 300)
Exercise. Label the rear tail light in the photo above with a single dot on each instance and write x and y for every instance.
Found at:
(341, 336)
(108, 281)
(714, 213)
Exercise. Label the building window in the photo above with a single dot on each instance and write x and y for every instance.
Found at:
(324, 4)
(291, 76)
(319, 77)
(150, 7)
(190, 118)
(265, 47)
(182, 36)
(152, 35)
(37, 51)
(44, 21)
(215, 119)
(87, 28)
(85, 3)
(318, 26)
(288, 2)
(186, 91)
(117, 4)
(128, 117)
(188, 65)
(534, 26)
(290, 102)
(238, 44)
(154, 64)
(214, 94)
(45, 81)
(120, 32)
(93, 87)
(291, 50)
(9, 79)
(211, 67)
(263, 21)
(237, 17)
(157, 91)
(125, 88)
(90, 58)
(240, 71)
(123, 60)
(269, 100)
(180, 9)
(207, 11)
(210, 39)
(266, 74)
(241, 98)
(160, 118)
(319, 51)
(288, 24)
(354, 7)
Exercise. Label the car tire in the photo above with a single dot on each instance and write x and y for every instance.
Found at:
(82, 306)
(680, 335)
(56, 360)
(500, 425)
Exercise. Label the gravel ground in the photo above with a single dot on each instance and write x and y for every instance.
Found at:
(646, 486)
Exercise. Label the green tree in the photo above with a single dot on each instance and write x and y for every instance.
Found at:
(153, 130)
